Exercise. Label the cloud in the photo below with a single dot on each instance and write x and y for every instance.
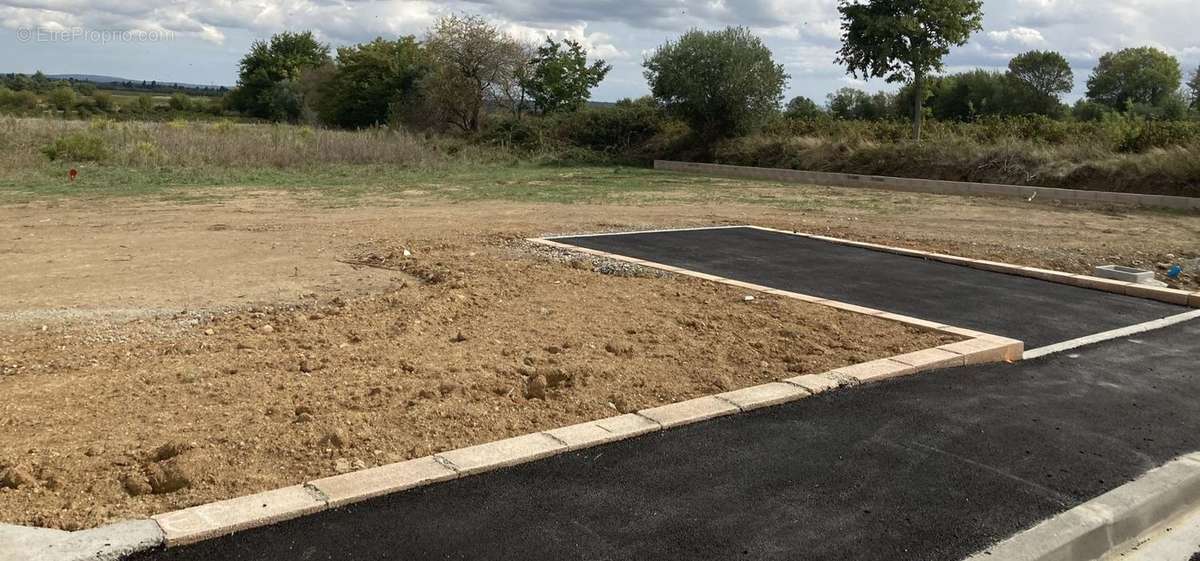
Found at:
(1023, 36)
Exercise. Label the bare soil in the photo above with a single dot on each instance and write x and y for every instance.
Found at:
(156, 356)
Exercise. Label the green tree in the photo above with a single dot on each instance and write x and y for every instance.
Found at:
(473, 63)
(560, 78)
(1043, 76)
(801, 107)
(904, 40)
(266, 74)
(722, 83)
(855, 104)
(969, 95)
(1142, 75)
(372, 83)
(61, 98)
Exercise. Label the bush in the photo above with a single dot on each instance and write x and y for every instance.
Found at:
(61, 98)
(613, 130)
(103, 100)
(82, 147)
(179, 101)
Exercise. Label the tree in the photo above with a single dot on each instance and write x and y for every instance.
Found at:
(471, 61)
(1194, 86)
(855, 104)
(372, 82)
(265, 72)
(801, 107)
(179, 101)
(560, 78)
(722, 83)
(1044, 76)
(904, 40)
(143, 103)
(969, 95)
(1131, 76)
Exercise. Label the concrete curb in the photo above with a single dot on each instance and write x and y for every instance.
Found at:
(931, 185)
(1168, 295)
(1109, 522)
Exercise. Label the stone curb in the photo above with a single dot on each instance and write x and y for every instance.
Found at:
(1109, 522)
(1168, 295)
(210, 520)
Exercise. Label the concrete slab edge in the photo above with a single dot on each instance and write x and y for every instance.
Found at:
(1109, 522)
(1168, 295)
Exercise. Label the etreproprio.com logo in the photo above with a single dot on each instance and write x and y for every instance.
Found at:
(86, 35)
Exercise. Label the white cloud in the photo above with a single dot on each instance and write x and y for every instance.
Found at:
(1019, 35)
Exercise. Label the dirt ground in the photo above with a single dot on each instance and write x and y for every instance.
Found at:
(155, 356)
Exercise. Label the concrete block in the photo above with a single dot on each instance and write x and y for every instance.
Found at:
(1194, 300)
(501, 453)
(1156, 497)
(1077, 534)
(1124, 274)
(931, 359)
(1169, 295)
(690, 411)
(851, 307)
(962, 331)
(106, 543)
(595, 433)
(629, 425)
(815, 383)
(987, 349)
(795, 295)
(918, 322)
(1097, 283)
(226, 517)
(383, 480)
(764, 395)
(876, 370)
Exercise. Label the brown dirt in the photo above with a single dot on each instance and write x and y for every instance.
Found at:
(138, 375)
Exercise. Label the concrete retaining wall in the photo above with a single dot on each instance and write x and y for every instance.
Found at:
(930, 185)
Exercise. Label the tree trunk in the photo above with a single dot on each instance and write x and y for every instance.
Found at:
(918, 103)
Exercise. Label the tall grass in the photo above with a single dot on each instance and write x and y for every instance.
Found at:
(27, 143)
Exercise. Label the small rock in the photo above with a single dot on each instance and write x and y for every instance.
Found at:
(427, 394)
(167, 477)
(536, 388)
(335, 438)
(169, 450)
(342, 465)
(747, 298)
(553, 350)
(93, 451)
(15, 478)
(306, 366)
(135, 485)
(620, 403)
(447, 388)
(305, 418)
(458, 338)
(619, 349)
(209, 331)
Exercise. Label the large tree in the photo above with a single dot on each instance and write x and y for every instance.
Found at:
(474, 64)
(1044, 75)
(560, 78)
(904, 40)
(722, 83)
(801, 107)
(267, 77)
(1142, 75)
(373, 83)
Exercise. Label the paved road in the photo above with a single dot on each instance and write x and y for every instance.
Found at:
(1037, 312)
(930, 467)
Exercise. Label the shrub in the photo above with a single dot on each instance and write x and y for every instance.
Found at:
(179, 101)
(104, 101)
(61, 98)
(77, 146)
(613, 130)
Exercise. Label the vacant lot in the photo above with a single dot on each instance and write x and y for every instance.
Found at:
(156, 354)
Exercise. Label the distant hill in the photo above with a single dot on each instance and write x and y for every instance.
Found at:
(101, 79)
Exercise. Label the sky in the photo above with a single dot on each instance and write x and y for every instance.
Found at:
(201, 41)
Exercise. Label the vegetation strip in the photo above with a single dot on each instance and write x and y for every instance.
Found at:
(931, 185)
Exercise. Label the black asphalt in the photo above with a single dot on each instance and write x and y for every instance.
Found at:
(1037, 312)
(929, 467)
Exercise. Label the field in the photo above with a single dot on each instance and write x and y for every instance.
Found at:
(227, 319)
